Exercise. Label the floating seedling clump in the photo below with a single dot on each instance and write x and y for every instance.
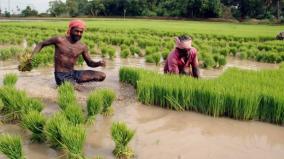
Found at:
(11, 146)
(121, 136)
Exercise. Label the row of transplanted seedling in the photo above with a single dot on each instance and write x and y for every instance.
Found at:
(153, 45)
(239, 94)
(64, 130)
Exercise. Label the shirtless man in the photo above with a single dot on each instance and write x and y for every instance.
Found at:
(67, 50)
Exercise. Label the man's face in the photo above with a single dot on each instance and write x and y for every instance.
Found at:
(76, 34)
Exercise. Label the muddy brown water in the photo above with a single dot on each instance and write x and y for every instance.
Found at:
(160, 133)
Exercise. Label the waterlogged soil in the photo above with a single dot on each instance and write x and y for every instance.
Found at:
(160, 133)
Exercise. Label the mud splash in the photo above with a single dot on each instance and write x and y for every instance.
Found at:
(160, 133)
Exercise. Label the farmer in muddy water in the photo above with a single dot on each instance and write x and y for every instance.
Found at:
(182, 57)
(67, 50)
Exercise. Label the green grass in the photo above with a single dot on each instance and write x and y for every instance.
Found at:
(10, 79)
(34, 121)
(11, 146)
(238, 94)
(121, 136)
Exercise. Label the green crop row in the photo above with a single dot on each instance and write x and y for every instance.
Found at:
(238, 94)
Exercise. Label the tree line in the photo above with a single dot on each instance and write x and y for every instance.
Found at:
(240, 9)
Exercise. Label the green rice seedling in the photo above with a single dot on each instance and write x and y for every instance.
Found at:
(134, 50)
(111, 53)
(10, 79)
(34, 121)
(32, 104)
(151, 50)
(108, 97)
(52, 129)
(239, 94)
(74, 114)
(243, 55)
(11, 146)
(14, 103)
(94, 104)
(1, 105)
(121, 136)
(153, 58)
(66, 95)
(165, 54)
(73, 139)
(104, 51)
(124, 53)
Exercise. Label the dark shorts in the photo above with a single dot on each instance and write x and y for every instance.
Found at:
(72, 76)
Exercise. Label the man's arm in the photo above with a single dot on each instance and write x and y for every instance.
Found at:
(39, 46)
(89, 61)
(195, 67)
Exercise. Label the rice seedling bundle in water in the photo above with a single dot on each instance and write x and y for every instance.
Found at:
(73, 139)
(108, 97)
(11, 146)
(237, 93)
(10, 79)
(121, 136)
(66, 95)
(52, 129)
(34, 121)
(16, 103)
(74, 114)
(94, 104)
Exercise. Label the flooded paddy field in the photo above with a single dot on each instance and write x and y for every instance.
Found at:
(160, 133)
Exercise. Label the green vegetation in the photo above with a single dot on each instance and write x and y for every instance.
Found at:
(73, 138)
(34, 121)
(94, 104)
(108, 97)
(52, 129)
(10, 79)
(122, 135)
(11, 146)
(237, 93)
(139, 37)
(74, 114)
(66, 95)
(16, 103)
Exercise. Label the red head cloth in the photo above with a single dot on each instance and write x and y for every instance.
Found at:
(76, 23)
(183, 44)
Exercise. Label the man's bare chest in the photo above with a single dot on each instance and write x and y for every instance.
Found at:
(70, 49)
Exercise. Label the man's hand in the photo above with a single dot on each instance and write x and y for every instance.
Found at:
(102, 63)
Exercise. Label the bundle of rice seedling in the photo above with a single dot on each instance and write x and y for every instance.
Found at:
(121, 136)
(1, 105)
(124, 53)
(25, 60)
(94, 104)
(11, 146)
(108, 97)
(10, 79)
(52, 129)
(66, 95)
(73, 139)
(74, 114)
(34, 121)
